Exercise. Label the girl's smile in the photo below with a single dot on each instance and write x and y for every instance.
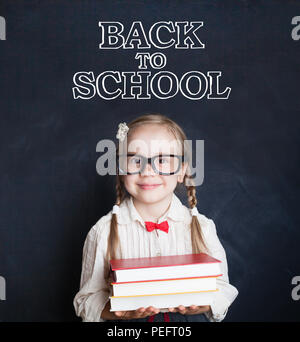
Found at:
(146, 186)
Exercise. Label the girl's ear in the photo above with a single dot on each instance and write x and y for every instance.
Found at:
(182, 172)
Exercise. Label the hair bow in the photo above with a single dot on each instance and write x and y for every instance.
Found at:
(122, 131)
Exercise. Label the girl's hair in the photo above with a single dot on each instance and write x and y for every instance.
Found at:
(198, 244)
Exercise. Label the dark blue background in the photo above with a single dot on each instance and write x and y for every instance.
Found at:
(50, 193)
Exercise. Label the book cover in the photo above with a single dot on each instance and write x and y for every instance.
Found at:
(162, 261)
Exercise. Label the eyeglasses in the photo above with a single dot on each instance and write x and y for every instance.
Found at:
(163, 164)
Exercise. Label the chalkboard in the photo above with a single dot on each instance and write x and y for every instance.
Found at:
(51, 194)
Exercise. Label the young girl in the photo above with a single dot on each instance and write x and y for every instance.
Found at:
(145, 192)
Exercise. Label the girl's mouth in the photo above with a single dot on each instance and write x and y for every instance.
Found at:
(148, 186)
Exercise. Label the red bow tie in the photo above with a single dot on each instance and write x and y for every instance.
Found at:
(164, 226)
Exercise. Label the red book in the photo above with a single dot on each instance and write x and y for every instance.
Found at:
(165, 267)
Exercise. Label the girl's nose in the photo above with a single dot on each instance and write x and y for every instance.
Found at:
(148, 171)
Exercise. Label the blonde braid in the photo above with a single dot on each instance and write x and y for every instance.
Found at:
(113, 237)
(198, 244)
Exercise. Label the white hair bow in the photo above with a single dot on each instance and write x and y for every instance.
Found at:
(194, 211)
(122, 131)
(116, 209)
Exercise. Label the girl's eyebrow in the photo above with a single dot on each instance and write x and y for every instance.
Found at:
(159, 154)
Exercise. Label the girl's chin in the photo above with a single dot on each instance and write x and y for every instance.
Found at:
(149, 194)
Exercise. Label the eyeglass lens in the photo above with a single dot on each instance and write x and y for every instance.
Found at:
(161, 164)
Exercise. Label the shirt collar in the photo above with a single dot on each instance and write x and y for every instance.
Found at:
(129, 213)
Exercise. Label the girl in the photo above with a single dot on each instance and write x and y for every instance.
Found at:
(157, 165)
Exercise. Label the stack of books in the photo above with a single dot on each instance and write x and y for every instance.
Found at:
(164, 282)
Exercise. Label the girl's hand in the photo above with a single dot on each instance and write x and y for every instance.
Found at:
(139, 313)
(191, 310)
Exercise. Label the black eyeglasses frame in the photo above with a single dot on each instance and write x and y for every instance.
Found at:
(150, 160)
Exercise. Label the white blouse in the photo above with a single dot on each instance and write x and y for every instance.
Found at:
(136, 241)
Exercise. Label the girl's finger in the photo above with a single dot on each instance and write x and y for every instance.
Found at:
(156, 311)
(150, 310)
(125, 313)
(181, 309)
(119, 313)
(195, 309)
(140, 312)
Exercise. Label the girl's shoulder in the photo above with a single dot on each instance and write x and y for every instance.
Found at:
(205, 220)
(102, 226)
(206, 223)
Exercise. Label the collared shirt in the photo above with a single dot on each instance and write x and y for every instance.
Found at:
(135, 241)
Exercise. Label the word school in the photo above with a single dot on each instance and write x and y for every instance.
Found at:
(110, 85)
(145, 84)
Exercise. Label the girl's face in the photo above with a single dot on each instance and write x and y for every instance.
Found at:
(148, 186)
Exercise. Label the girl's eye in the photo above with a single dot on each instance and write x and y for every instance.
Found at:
(163, 160)
(134, 160)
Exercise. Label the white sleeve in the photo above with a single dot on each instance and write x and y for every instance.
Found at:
(94, 292)
(227, 292)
